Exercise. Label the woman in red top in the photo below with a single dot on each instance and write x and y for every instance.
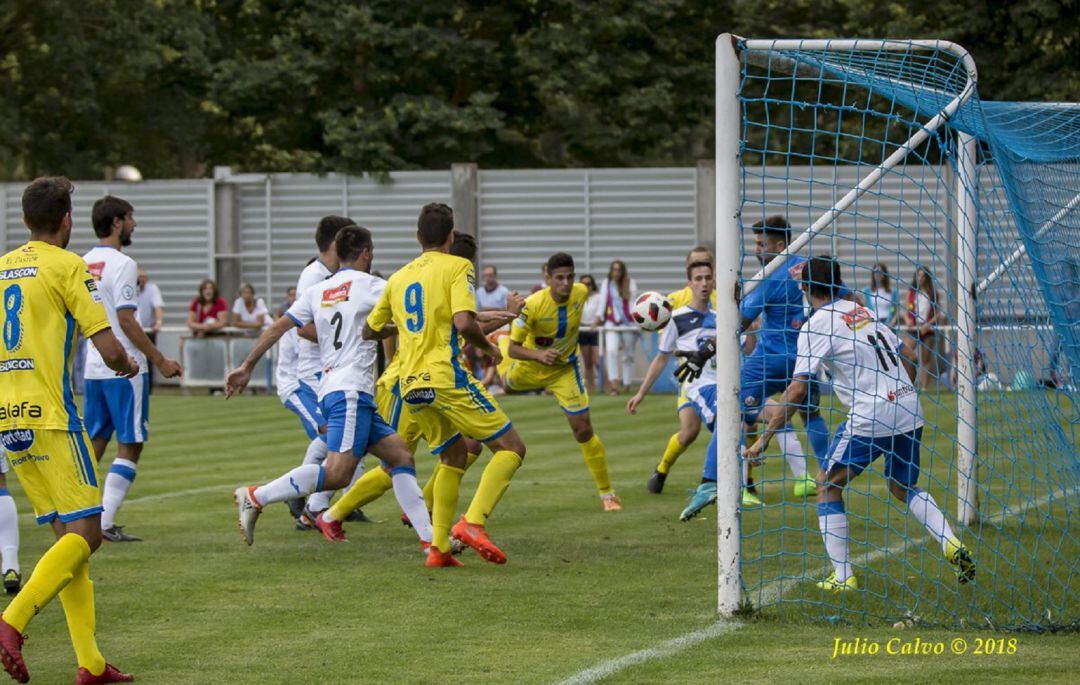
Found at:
(208, 312)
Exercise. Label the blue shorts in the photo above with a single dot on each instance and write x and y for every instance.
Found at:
(352, 422)
(703, 400)
(120, 405)
(304, 402)
(858, 451)
(766, 375)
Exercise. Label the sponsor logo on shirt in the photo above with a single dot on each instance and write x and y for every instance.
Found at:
(16, 365)
(16, 411)
(333, 296)
(29, 457)
(96, 269)
(421, 396)
(91, 287)
(796, 272)
(21, 272)
(857, 318)
(17, 440)
(128, 293)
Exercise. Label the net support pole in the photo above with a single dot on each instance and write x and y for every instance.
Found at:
(728, 266)
(967, 491)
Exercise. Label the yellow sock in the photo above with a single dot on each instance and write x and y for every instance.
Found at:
(672, 452)
(78, 601)
(429, 486)
(368, 488)
(596, 460)
(497, 475)
(447, 481)
(53, 571)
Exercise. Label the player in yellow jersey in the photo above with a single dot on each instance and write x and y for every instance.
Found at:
(689, 422)
(48, 294)
(542, 352)
(376, 482)
(431, 301)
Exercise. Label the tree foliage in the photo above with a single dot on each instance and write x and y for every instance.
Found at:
(176, 86)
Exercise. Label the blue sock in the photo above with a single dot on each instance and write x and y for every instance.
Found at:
(818, 432)
(709, 472)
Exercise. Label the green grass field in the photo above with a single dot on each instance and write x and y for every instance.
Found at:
(193, 604)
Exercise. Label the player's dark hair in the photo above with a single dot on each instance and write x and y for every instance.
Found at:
(107, 209)
(696, 265)
(45, 202)
(559, 260)
(328, 229)
(351, 241)
(464, 246)
(822, 276)
(775, 225)
(434, 225)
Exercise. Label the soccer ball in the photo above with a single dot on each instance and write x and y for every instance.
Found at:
(651, 311)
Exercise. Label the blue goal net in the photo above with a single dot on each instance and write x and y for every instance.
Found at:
(963, 238)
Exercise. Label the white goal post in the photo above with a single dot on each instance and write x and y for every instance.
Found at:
(729, 262)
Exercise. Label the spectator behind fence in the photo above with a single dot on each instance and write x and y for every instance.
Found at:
(151, 311)
(619, 292)
(881, 298)
(491, 294)
(249, 312)
(921, 318)
(290, 297)
(592, 316)
(208, 312)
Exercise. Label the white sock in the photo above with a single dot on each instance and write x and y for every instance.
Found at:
(834, 533)
(926, 511)
(117, 483)
(300, 482)
(792, 450)
(316, 452)
(411, 500)
(319, 501)
(9, 532)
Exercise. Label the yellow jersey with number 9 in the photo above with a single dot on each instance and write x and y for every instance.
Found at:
(47, 292)
(421, 299)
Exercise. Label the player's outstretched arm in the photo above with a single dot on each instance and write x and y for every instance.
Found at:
(655, 369)
(238, 378)
(465, 323)
(170, 368)
(114, 354)
(493, 319)
(546, 357)
(308, 332)
(793, 398)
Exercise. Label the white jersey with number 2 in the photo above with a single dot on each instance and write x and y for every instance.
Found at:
(863, 357)
(339, 306)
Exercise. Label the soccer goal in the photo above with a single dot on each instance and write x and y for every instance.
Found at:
(880, 154)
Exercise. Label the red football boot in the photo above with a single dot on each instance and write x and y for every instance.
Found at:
(476, 537)
(11, 642)
(331, 530)
(111, 674)
(437, 559)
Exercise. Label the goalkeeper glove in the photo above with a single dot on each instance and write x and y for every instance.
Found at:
(694, 362)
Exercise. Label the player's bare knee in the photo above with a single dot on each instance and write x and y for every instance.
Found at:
(898, 490)
(688, 434)
(473, 446)
(338, 470)
(130, 451)
(581, 427)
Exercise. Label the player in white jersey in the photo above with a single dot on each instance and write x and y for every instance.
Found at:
(863, 357)
(111, 404)
(337, 308)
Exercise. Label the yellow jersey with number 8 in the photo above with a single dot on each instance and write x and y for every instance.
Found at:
(421, 299)
(48, 294)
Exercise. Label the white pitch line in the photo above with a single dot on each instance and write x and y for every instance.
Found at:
(665, 649)
(772, 592)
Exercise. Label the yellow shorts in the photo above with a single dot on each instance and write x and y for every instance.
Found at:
(445, 414)
(564, 382)
(388, 402)
(682, 401)
(57, 470)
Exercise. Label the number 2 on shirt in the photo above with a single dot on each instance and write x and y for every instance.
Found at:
(414, 306)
